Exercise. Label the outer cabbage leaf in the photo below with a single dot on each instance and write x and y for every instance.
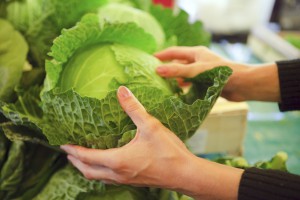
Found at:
(22, 133)
(69, 184)
(26, 170)
(177, 28)
(26, 110)
(11, 172)
(40, 163)
(41, 21)
(4, 143)
(89, 121)
(25, 117)
(13, 51)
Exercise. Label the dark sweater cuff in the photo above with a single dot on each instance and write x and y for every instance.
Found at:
(289, 80)
(268, 184)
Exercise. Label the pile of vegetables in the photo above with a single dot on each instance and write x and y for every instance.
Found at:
(61, 63)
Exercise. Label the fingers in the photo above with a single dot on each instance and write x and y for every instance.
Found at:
(177, 53)
(178, 70)
(90, 156)
(133, 107)
(92, 171)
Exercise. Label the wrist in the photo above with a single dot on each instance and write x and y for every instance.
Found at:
(209, 180)
(261, 83)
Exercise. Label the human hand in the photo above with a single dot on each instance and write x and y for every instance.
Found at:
(155, 157)
(150, 159)
(188, 62)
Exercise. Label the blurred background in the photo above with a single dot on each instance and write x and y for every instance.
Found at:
(252, 32)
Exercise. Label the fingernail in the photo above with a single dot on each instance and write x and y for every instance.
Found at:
(161, 70)
(124, 92)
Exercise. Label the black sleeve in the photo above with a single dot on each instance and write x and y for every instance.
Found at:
(289, 80)
(260, 184)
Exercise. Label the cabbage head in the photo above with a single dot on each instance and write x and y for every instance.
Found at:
(90, 61)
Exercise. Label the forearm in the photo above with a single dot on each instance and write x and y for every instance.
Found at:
(260, 83)
(204, 179)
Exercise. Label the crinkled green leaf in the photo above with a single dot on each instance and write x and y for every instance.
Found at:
(67, 184)
(118, 192)
(13, 51)
(41, 21)
(212, 79)
(4, 143)
(70, 118)
(178, 28)
(22, 133)
(40, 163)
(26, 111)
(12, 170)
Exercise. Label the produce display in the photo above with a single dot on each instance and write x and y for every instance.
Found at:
(61, 63)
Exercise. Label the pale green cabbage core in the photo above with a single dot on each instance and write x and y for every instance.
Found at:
(91, 71)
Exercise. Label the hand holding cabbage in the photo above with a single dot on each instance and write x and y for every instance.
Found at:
(155, 158)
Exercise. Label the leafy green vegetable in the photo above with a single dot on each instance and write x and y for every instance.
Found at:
(13, 51)
(11, 172)
(25, 117)
(41, 21)
(122, 13)
(69, 184)
(277, 162)
(26, 169)
(178, 30)
(78, 104)
(3, 148)
(90, 61)
(171, 195)
(26, 110)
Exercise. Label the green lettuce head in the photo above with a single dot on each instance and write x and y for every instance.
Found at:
(90, 61)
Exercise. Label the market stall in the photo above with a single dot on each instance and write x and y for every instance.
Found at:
(62, 64)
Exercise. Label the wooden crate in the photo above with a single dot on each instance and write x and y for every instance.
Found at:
(223, 131)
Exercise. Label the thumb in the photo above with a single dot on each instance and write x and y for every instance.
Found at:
(132, 106)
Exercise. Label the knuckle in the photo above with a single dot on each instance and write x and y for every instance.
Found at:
(152, 124)
(116, 165)
(177, 69)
